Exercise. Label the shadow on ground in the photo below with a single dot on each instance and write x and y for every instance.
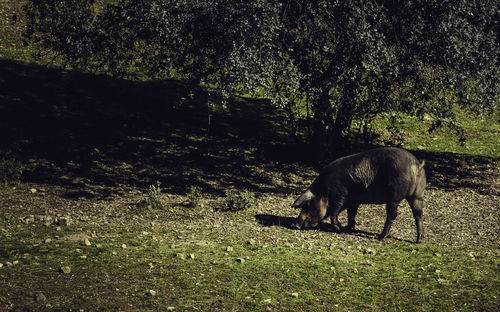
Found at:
(291, 223)
(96, 135)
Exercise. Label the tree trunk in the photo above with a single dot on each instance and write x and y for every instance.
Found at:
(322, 124)
(345, 113)
(330, 135)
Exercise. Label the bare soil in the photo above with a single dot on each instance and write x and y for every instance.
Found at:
(463, 216)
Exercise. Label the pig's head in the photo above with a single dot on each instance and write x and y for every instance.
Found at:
(313, 210)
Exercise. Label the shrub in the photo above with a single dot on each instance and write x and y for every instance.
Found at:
(154, 200)
(236, 201)
(396, 130)
(194, 195)
(10, 169)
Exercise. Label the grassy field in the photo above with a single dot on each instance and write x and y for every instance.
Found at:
(205, 259)
(77, 233)
(153, 274)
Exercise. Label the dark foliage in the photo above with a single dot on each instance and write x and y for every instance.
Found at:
(350, 60)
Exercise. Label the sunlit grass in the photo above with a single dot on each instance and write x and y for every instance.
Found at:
(482, 135)
(120, 268)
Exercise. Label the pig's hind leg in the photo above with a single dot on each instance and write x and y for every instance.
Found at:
(417, 205)
(392, 213)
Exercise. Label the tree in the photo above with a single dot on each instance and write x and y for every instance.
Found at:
(351, 59)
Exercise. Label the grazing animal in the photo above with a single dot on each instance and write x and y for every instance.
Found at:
(384, 175)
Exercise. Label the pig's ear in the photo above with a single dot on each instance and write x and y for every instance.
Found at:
(304, 198)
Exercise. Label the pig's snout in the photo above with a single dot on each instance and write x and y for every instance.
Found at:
(298, 225)
(303, 224)
(307, 225)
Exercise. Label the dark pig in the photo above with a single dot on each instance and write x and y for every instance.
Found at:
(384, 175)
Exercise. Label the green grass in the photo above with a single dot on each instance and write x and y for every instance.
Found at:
(12, 45)
(482, 135)
(398, 276)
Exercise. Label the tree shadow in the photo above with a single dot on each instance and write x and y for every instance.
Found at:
(96, 135)
(449, 171)
(273, 220)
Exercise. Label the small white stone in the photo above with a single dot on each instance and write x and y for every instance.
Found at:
(369, 251)
(180, 256)
(40, 297)
(151, 292)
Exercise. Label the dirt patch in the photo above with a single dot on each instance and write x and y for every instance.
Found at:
(462, 216)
